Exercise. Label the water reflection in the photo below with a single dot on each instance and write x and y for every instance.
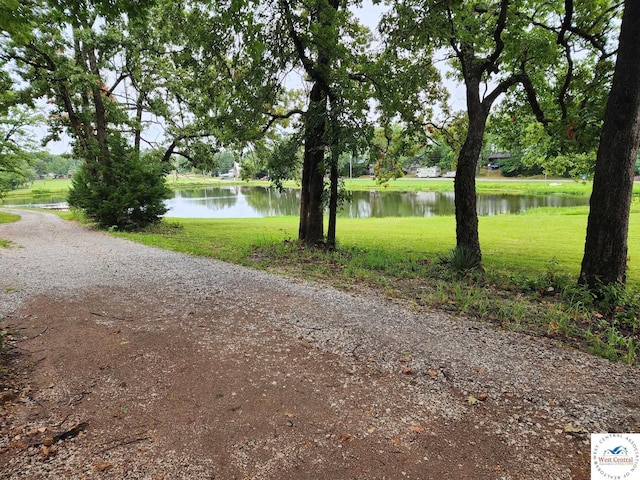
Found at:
(254, 202)
(246, 202)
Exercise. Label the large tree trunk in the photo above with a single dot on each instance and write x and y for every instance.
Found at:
(605, 251)
(465, 181)
(311, 209)
(333, 202)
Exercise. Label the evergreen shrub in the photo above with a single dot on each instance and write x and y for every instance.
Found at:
(125, 193)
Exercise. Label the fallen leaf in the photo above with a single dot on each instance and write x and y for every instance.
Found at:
(345, 437)
(479, 369)
(42, 429)
(472, 400)
(431, 373)
(405, 359)
(395, 441)
(289, 414)
(496, 468)
(371, 430)
(416, 428)
(102, 466)
(407, 370)
(482, 397)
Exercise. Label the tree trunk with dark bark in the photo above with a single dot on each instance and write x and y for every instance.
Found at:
(605, 251)
(333, 202)
(311, 228)
(465, 181)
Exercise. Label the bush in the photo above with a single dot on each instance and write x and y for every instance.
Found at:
(126, 193)
(461, 260)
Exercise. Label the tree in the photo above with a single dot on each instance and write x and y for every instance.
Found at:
(605, 253)
(533, 150)
(16, 146)
(243, 63)
(329, 45)
(565, 94)
(498, 45)
(486, 43)
(74, 52)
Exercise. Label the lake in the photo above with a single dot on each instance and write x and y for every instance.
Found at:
(253, 202)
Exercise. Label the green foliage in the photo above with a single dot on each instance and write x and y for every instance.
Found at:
(514, 166)
(283, 161)
(16, 145)
(127, 194)
(461, 260)
(535, 150)
(45, 163)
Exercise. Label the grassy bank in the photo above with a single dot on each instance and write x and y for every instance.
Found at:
(531, 262)
(62, 186)
(483, 185)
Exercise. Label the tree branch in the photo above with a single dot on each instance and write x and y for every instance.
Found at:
(275, 117)
(491, 64)
(122, 76)
(307, 63)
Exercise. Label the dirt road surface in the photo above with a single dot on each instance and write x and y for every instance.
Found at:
(137, 363)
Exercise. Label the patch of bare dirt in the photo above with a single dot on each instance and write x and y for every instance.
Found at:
(204, 396)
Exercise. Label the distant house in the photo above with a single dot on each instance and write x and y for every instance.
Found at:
(234, 172)
(428, 172)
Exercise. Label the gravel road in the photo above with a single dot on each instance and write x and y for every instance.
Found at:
(211, 370)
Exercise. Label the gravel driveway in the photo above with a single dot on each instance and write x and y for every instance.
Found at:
(142, 363)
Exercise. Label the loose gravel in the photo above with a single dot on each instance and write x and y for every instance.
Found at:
(436, 375)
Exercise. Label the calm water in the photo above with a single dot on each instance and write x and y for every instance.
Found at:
(248, 202)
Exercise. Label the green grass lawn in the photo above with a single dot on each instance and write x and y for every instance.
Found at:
(6, 217)
(483, 185)
(525, 257)
(37, 187)
(530, 243)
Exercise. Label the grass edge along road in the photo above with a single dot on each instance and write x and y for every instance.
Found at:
(531, 261)
(6, 217)
(529, 284)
